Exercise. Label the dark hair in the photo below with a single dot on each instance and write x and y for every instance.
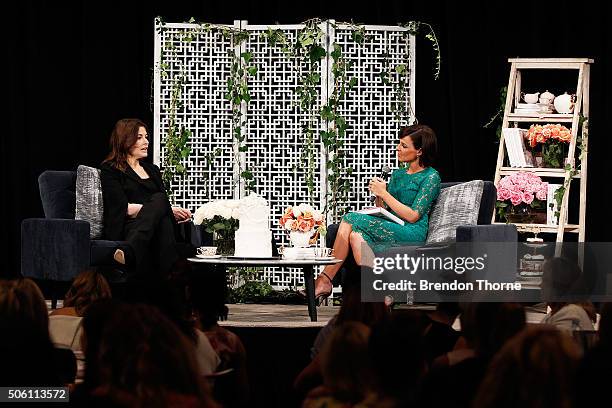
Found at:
(345, 362)
(123, 137)
(354, 310)
(424, 138)
(22, 301)
(87, 287)
(487, 326)
(144, 360)
(26, 351)
(536, 368)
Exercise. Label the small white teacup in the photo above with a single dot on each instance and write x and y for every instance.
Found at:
(323, 252)
(207, 250)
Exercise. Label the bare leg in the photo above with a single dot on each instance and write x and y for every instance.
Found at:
(341, 248)
(363, 254)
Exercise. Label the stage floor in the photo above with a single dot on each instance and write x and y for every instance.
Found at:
(268, 315)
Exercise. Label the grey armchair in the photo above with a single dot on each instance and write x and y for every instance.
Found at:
(56, 248)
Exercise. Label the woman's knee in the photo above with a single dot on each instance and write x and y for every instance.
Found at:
(345, 228)
(355, 238)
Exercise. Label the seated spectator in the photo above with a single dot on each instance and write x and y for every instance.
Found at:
(398, 359)
(352, 310)
(487, 326)
(563, 288)
(95, 320)
(594, 374)
(27, 356)
(142, 360)
(228, 346)
(346, 368)
(65, 323)
(534, 369)
(171, 301)
(439, 335)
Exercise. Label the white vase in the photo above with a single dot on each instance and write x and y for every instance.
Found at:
(300, 239)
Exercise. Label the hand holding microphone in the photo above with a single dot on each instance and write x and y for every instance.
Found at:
(378, 185)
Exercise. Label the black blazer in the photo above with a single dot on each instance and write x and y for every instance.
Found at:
(122, 187)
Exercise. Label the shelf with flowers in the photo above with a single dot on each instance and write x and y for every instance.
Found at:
(221, 219)
(304, 224)
(521, 199)
(553, 139)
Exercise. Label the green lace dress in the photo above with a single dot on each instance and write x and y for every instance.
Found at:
(417, 191)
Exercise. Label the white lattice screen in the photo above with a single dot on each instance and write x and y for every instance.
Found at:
(273, 131)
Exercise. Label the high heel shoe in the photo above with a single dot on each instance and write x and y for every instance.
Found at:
(322, 296)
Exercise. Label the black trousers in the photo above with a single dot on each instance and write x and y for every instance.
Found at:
(153, 238)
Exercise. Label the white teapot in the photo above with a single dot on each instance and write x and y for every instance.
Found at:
(565, 103)
(531, 98)
(547, 97)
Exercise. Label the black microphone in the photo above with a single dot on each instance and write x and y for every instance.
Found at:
(384, 174)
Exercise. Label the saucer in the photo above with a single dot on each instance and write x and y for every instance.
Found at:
(202, 256)
(324, 258)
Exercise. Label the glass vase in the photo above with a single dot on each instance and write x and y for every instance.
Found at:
(224, 241)
(520, 214)
(552, 155)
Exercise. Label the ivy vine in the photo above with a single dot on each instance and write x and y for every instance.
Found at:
(177, 137)
(570, 170)
(307, 52)
(499, 115)
(397, 76)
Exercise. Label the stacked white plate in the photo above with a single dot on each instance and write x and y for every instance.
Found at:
(299, 253)
(528, 108)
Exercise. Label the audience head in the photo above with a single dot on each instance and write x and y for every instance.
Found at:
(129, 138)
(86, 288)
(144, 360)
(353, 309)
(487, 326)
(398, 355)
(536, 368)
(26, 351)
(345, 363)
(562, 281)
(22, 305)
(417, 142)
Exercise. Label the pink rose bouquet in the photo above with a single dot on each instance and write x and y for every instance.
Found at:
(520, 191)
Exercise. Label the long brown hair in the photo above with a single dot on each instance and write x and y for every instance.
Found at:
(536, 368)
(144, 360)
(86, 288)
(123, 137)
(22, 301)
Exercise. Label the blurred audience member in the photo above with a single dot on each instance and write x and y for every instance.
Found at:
(534, 369)
(352, 310)
(140, 359)
(27, 356)
(65, 323)
(398, 359)
(486, 326)
(564, 290)
(346, 368)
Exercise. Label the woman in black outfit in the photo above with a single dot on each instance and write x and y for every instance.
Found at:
(136, 207)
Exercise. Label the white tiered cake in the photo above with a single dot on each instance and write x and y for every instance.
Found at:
(253, 237)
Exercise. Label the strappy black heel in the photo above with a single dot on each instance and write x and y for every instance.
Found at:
(322, 296)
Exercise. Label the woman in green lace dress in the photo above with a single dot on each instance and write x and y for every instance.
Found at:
(409, 195)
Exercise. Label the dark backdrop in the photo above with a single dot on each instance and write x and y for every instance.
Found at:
(75, 68)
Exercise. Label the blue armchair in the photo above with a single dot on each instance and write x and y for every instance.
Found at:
(483, 232)
(56, 248)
